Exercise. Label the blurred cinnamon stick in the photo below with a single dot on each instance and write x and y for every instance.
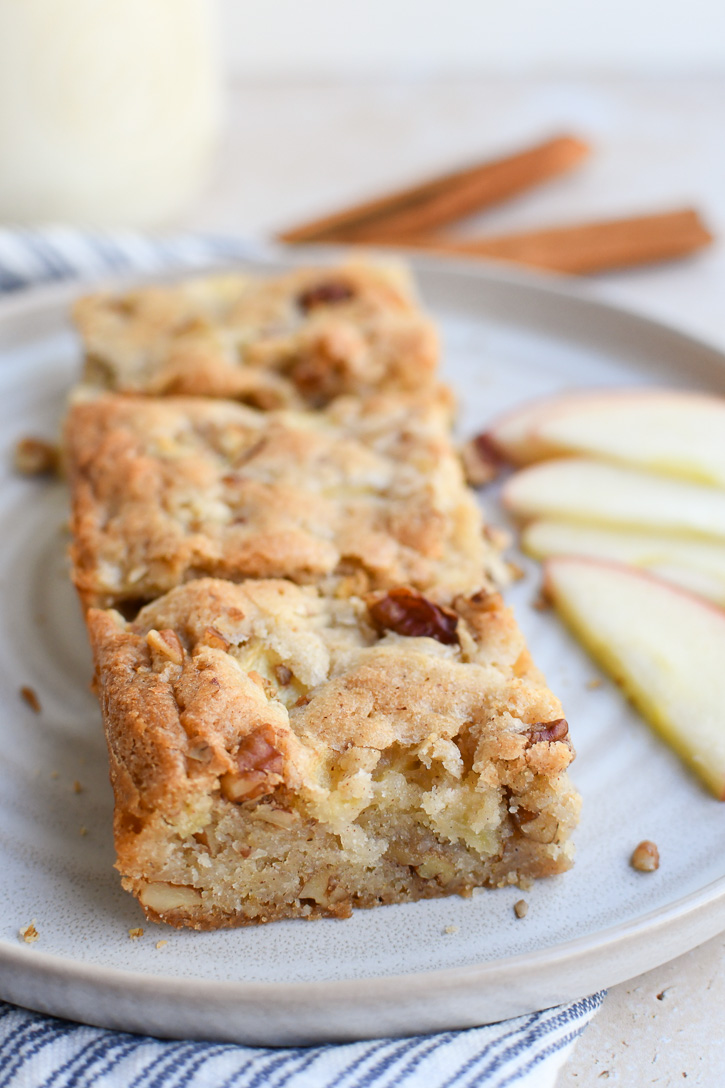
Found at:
(433, 204)
(586, 247)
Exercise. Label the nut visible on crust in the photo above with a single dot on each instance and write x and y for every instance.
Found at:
(282, 674)
(35, 457)
(327, 293)
(549, 732)
(161, 897)
(481, 463)
(436, 868)
(541, 827)
(645, 857)
(215, 639)
(409, 613)
(167, 644)
(259, 768)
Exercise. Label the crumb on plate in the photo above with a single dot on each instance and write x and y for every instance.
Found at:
(36, 457)
(645, 857)
(29, 696)
(541, 603)
(29, 933)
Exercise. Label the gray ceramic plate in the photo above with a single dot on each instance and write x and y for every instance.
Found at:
(395, 970)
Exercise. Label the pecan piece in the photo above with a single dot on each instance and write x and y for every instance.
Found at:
(166, 643)
(259, 767)
(410, 613)
(215, 639)
(481, 462)
(36, 457)
(646, 857)
(327, 293)
(282, 674)
(549, 731)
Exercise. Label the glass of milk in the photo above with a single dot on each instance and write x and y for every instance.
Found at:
(109, 109)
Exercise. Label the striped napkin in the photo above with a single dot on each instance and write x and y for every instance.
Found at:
(38, 1051)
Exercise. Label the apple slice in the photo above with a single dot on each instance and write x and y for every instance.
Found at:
(664, 647)
(675, 432)
(576, 489)
(697, 565)
(512, 436)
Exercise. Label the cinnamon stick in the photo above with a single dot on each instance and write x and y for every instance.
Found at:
(583, 248)
(442, 200)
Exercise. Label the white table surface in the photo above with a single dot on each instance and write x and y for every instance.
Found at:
(293, 150)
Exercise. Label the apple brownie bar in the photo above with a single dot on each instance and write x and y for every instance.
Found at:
(293, 340)
(358, 496)
(277, 753)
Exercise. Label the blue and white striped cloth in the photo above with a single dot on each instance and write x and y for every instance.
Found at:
(38, 1051)
(41, 1052)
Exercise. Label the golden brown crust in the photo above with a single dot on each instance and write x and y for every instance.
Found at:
(366, 494)
(350, 717)
(257, 719)
(294, 340)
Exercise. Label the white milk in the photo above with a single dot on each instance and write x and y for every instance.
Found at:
(108, 109)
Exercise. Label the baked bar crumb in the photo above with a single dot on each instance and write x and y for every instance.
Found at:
(29, 933)
(280, 753)
(294, 340)
(36, 457)
(30, 698)
(521, 908)
(359, 496)
(645, 857)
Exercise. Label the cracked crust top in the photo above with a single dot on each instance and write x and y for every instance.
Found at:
(293, 340)
(359, 496)
(266, 686)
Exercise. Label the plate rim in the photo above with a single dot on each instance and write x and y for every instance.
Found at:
(689, 904)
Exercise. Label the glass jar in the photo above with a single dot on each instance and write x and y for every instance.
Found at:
(109, 109)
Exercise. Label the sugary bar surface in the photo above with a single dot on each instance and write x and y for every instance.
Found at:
(361, 495)
(280, 753)
(293, 340)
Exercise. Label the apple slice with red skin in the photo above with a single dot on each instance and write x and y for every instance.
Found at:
(663, 646)
(677, 433)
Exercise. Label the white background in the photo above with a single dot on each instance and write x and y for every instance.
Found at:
(322, 38)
